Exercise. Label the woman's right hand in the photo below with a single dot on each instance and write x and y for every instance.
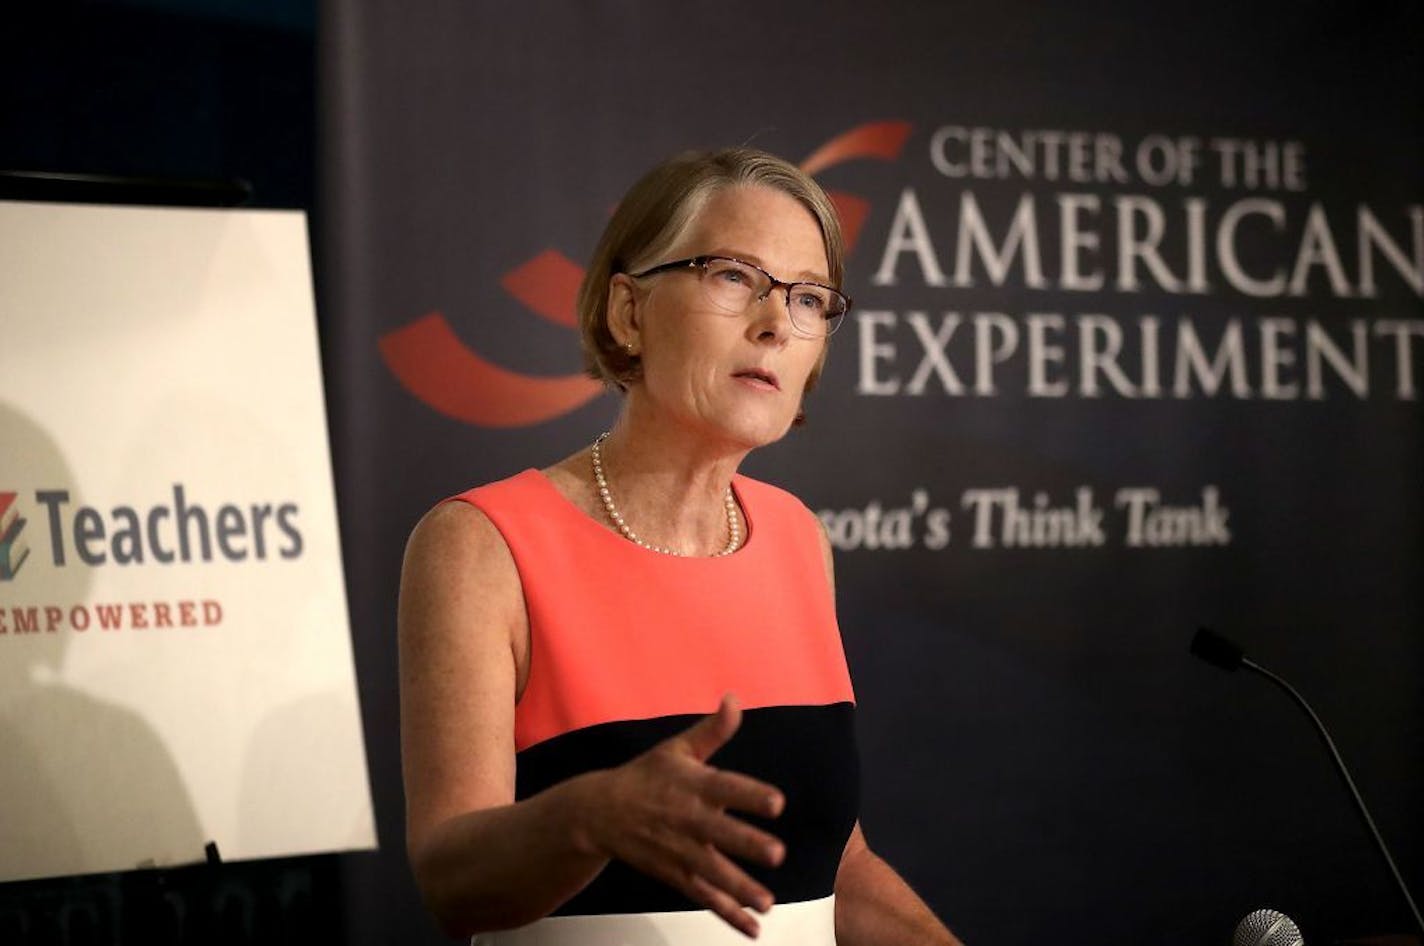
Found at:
(666, 813)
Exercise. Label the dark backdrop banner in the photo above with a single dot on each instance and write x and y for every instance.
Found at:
(1136, 348)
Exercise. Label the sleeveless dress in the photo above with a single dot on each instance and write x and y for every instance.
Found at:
(630, 646)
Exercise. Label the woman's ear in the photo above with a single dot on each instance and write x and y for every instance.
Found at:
(623, 315)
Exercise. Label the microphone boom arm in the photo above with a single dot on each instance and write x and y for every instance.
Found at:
(1344, 774)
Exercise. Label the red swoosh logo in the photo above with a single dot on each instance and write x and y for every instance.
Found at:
(882, 141)
(436, 366)
(548, 284)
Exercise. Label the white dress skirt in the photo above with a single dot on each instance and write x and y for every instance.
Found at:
(808, 923)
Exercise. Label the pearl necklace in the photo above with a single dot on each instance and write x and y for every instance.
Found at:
(734, 530)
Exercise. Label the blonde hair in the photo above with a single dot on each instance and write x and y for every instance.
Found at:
(653, 216)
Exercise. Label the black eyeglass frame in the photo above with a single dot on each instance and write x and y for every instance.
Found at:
(702, 261)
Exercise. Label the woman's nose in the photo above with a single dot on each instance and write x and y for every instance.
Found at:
(771, 314)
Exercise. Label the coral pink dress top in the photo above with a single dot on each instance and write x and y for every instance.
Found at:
(631, 646)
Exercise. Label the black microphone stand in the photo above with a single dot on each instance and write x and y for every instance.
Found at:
(1220, 652)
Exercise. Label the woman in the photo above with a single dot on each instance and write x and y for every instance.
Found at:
(583, 618)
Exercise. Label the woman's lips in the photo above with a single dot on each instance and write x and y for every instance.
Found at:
(759, 378)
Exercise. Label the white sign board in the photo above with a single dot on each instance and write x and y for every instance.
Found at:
(175, 655)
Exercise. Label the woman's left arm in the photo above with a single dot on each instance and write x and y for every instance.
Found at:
(875, 907)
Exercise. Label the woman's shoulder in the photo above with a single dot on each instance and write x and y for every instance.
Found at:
(473, 524)
(501, 515)
(460, 524)
(529, 487)
(511, 488)
(452, 533)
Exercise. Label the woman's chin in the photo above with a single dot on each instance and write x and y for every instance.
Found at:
(761, 433)
(746, 427)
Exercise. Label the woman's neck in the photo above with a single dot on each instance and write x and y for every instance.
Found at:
(670, 484)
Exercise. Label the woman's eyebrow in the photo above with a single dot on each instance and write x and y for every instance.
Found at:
(806, 275)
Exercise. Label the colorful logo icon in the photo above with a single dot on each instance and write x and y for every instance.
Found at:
(432, 363)
(13, 549)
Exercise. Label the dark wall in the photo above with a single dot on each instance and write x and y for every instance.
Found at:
(196, 90)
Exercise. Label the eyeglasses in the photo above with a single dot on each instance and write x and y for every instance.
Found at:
(731, 285)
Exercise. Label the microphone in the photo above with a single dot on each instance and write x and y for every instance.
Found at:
(1220, 652)
(1267, 928)
(1216, 650)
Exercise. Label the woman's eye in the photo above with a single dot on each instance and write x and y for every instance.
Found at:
(810, 301)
